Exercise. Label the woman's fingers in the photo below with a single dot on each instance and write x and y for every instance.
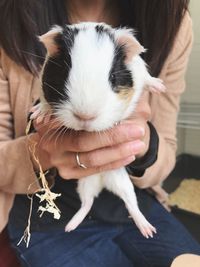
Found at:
(98, 151)
(76, 173)
(88, 141)
(106, 155)
(96, 161)
(99, 157)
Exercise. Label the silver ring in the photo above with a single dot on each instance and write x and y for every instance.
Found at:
(78, 161)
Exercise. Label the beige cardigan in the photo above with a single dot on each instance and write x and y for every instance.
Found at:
(19, 89)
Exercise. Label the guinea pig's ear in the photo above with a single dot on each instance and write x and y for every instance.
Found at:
(125, 37)
(49, 39)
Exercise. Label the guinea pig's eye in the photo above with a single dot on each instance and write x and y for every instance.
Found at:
(113, 78)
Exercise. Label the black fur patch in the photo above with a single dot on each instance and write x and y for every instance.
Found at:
(100, 29)
(57, 67)
(120, 76)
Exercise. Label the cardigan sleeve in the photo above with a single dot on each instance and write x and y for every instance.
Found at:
(165, 107)
(16, 167)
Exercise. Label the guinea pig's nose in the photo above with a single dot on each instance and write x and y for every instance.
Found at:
(84, 117)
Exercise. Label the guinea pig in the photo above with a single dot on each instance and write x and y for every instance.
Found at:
(92, 78)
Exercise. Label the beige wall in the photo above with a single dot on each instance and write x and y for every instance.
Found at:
(192, 93)
(189, 138)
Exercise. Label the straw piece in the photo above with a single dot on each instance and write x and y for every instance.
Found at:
(187, 196)
(44, 193)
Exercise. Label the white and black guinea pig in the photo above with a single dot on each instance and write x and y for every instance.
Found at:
(92, 78)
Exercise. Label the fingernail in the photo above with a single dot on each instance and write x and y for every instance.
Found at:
(137, 145)
(142, 131)
(135, 130)
(129, 160)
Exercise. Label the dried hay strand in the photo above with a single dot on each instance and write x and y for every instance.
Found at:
(44, 194)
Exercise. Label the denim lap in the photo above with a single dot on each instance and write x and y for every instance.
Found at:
(97, 244)
(171, 240)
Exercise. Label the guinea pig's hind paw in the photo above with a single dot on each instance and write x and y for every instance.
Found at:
(146, 228)
(148, 231)
(72, 225)
(155, 85)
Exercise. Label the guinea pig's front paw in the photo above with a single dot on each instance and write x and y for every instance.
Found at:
(38, 115)
(155, 85)
(36, 111)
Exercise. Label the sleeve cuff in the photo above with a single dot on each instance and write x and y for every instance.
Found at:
(139, 166)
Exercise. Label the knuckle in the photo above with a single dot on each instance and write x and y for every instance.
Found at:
(114, 136)
(54, 160)
(106, 167)
(101, 169)
(57, 159)
(64, 173)
(47, 144)
(91, 162)
(79, 144)
(117, 165)
(146, 115)
(75, 143)
(124, 150)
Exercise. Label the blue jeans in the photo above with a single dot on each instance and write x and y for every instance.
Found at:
(97, 244)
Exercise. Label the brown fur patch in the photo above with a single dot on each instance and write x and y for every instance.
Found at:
(132, 46)
(50, 45)
(48, 39)
(125, 94)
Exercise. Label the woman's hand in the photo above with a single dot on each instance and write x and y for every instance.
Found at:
(99, 152)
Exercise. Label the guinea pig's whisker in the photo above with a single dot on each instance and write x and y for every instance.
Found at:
(104, 135)
(66, 63)
(70, 131)
(29, 53)
(63, 132)
(43, 138)
(43, 57)
(58, 135)
(51, 124)
(54, 89)
(50, 136)
(61, 135)
(54, 106)
(121, 73)
(100, 134)
(124, 74)
(45, 115)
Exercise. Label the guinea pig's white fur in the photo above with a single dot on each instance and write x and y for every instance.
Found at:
(91, 96)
